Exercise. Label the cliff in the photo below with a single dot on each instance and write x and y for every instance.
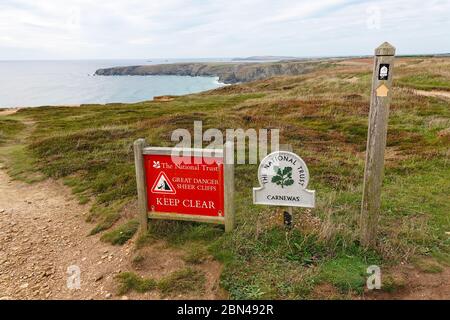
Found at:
(227, 72)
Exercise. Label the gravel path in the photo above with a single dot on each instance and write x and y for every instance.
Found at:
(43, 233)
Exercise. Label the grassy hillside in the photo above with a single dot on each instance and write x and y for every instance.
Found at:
(324, 116)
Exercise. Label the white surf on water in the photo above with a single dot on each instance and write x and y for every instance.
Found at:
(39, 83)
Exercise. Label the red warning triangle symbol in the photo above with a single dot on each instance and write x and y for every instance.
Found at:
(162, 185)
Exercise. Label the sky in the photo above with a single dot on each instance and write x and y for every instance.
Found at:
(135, 29)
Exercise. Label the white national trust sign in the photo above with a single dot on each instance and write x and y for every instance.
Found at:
(283, 178)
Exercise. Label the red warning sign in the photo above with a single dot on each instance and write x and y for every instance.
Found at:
(195, 189)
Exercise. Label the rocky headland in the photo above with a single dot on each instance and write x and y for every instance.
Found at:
(228, 72)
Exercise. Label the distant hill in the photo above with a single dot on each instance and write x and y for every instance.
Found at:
(265, 58)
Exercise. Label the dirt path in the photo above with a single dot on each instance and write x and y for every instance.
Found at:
(417, 285)
(42, 233)
(433, 93)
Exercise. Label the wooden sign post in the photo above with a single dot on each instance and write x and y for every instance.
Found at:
(287, 214)
(138, 147)
(190, 184)
(376, 142)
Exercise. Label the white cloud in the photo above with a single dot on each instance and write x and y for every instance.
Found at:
(216, 28)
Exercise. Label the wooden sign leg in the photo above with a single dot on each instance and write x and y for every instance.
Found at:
(138, 147)
(287, 213)
(287, 217)
(228, 165)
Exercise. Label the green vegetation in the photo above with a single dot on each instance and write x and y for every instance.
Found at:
(9, 128)
(347, 273)
(17, 159)
(426, 82)
(121, 234)
(20, 163)
(392, 284)
(323, 115)
(144, 240)
(428, 265)
(105, 215)
(178, 282)
(130, 281)
(182, 281)
(196, 253)
(138, 259)
(441, 257)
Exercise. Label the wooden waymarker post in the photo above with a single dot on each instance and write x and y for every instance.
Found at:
(169, 188)
(376, 141)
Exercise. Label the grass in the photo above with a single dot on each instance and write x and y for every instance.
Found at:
(427, 265)
(392, 284)
(347, 273)
(182, 281)
(197, 253)
(144, 240)
(105, 215)
(9, 128)
(80, 189)
(426, 82)
(130, 281)
(441, 257)
(138, 259)
(121, 234)
(20, 164)
(323, 115)
(178, 282)
(108, 220)
(18, 160)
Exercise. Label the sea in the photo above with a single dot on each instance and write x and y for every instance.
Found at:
(72, 82)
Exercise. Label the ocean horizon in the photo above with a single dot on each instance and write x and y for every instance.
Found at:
(34, 83)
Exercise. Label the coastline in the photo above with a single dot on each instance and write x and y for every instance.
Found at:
(10, 110)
